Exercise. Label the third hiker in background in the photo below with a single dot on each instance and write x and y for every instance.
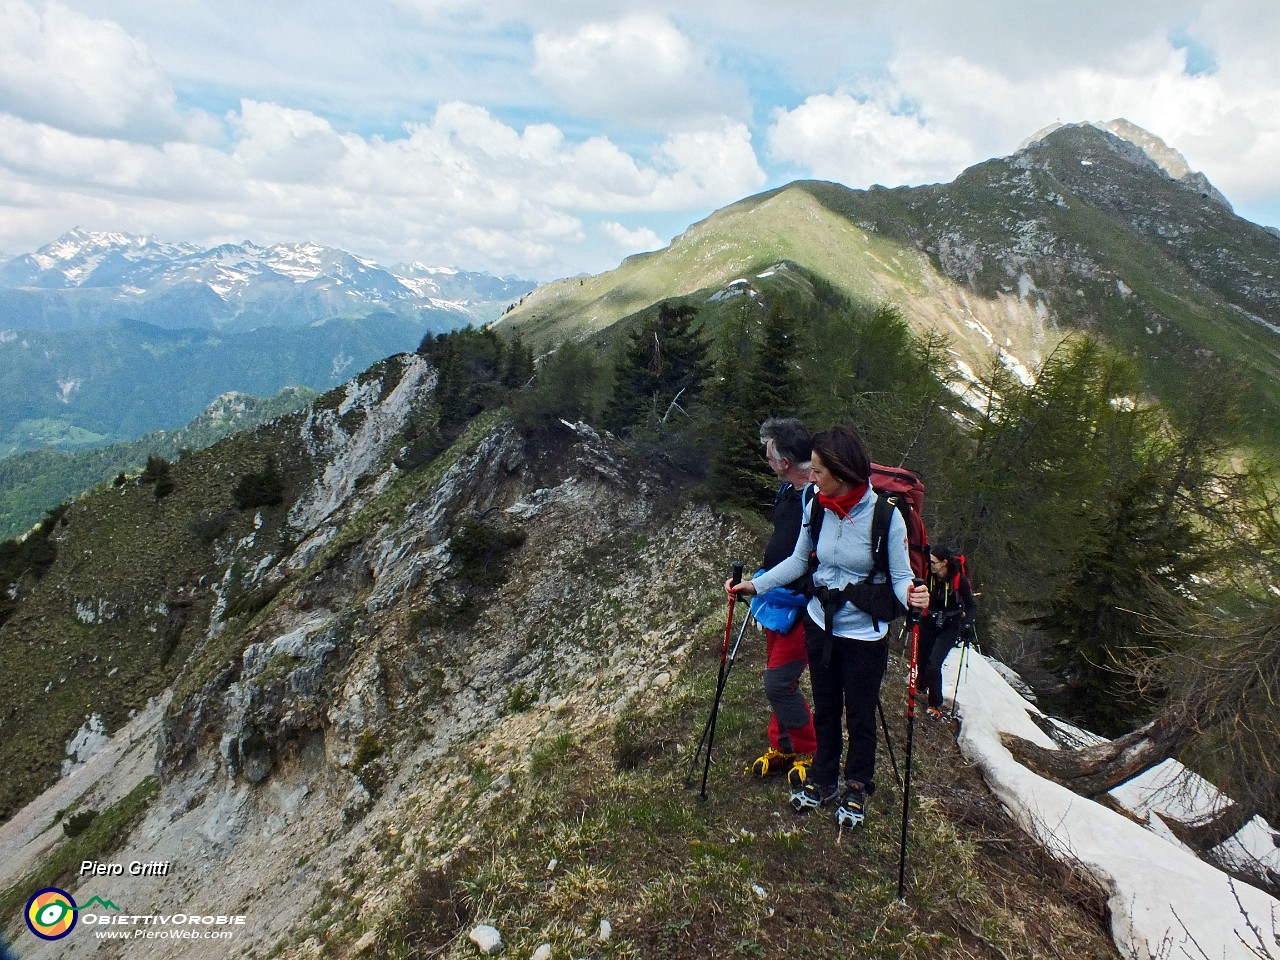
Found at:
(791, 737)
(949, 620)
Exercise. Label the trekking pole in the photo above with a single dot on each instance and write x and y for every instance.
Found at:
(964, 663)
(715, 705)
(721, 683)
(964, 648)
(888, 742)
(913, 618)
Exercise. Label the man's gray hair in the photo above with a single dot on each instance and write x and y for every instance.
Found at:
(791, 439)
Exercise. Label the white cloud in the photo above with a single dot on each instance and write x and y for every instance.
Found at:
(50, 159)
(860, 142)
(1023, 40)
(937, 110)
(464, 188)
(627, 242)
(639, 68)
(716, 164)
(83, 75)
(283, 145)
(520, 138)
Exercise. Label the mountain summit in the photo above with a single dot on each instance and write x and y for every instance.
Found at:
(1173, 163)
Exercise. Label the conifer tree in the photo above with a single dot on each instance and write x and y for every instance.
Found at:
(159, 471)
(777, 385)
(470, 366)
(755, 384)
(564, 388)
(1086, 508)
(664, 363)
(519, 365)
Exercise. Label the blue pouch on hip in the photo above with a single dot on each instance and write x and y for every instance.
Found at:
(778, 609)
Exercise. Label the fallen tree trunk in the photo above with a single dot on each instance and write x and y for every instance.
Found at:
(1218, 829)
(1095, 769)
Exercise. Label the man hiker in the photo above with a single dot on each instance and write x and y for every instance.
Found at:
(791, 736)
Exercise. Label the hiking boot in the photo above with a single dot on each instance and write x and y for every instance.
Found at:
(852, 808)
(935, 713)
(773, 763)
(811, 796)
(799, 772)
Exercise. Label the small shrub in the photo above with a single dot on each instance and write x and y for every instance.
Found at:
(520, 698)
(159, 472)
(247, 604)
(367, 765)
(208, 527)
(421, 447)
(432, 913)
(368, 749)
(639, 738)
(481, 550)
(157, 467)
(262, 488)
(548, 756)
(78, 823)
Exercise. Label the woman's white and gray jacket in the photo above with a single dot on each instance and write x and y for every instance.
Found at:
(844, 557)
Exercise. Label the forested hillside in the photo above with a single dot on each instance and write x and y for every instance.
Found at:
(34, 482)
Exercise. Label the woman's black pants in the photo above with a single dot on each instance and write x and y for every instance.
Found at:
(846, 676)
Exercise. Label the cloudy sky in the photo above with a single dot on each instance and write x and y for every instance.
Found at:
(547, 139)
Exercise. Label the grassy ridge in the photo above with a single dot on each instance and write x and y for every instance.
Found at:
(1014, 253)
(598, 826)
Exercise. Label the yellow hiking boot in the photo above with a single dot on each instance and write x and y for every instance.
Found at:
(773, 763)
(799, 772)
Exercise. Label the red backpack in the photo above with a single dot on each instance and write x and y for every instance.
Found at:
(905, 490)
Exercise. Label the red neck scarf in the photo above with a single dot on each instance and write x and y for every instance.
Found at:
(841, 505)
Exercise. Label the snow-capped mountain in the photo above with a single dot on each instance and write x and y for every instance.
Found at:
(85, 278)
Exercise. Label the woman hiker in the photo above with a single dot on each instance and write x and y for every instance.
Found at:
(848, 651)
(951, 613)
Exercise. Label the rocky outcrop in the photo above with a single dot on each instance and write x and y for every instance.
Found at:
(384, 625)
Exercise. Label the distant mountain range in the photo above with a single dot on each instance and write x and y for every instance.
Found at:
(107, 336)
(86, 279)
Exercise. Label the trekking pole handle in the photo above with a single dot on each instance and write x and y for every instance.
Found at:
(915, 614)
(737, 573)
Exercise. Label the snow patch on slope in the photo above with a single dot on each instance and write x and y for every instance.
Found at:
(1161, 897)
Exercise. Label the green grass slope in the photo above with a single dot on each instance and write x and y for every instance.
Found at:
(750, 238)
